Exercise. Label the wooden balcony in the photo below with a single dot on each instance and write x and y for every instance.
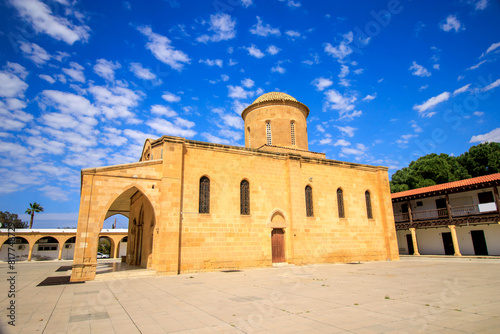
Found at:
(460, 215)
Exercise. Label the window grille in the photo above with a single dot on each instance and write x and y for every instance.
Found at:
(309, 202)
(340, 203)
(268, 134)
(368, 200)
(204, 195)
(245, 197)
(292, 132)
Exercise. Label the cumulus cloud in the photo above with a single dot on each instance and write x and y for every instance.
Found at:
(264, 29)
(11, 85)
(162, 49)
(247, 83)
(163, 110)
(106, 69)
(47, 78)
(481, 4)
(272, 50)
(68, 103)
(431, 103)
(342, 142)
(212, 62)
(347, 130)
(246, 3)
(452, 23)
(34, 52)
(343, 104)
(255, 52)
(116, 102)
(292, 3)
(180, 127)
(492, 136)
(370, 97)
(293, 33)
(170, 97)
(238, 92)
(322, 83)
(222, 27)
(41, 18)
(75, 72)
(144, 73)
(419, 70)
(278, 68)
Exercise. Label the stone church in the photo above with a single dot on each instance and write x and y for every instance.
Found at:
(196, 206)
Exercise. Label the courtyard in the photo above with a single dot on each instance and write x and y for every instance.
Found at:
(413, 295)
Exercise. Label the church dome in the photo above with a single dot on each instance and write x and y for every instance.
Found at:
(274, 96)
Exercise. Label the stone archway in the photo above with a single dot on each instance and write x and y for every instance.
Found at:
(20, 248)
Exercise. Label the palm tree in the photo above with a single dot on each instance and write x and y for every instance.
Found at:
(34, 207)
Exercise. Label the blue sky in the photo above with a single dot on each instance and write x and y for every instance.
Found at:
(84, 83)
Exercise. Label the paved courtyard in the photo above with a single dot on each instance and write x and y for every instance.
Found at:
(414, 295)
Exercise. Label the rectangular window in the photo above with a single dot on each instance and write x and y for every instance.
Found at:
(268, 134)
(292, 132)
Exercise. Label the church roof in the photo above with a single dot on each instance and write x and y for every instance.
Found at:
(274, 96)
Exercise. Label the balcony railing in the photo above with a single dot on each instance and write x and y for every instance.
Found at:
(456, 211)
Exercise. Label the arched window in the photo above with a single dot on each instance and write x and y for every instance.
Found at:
(204, 195)
(268, 133)
(292, 132)
(340, 203)
(245, 197)
(309, 202)
(368, 200)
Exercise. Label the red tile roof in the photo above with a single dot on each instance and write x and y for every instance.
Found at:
(448, 186)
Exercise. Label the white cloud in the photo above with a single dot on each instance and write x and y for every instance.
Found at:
(40, 16)
(162, 50)
(16, 69)
(492, 136)
(47, 78)
(491, 48)
(68, 103)
(435, 66)
(325, 141)
(347, 130)
(11, 85)
(343, 104)
(473, 67)
(461, 90)
(224, 77)
(478, 113)
(212, 62)
(370, 97)
(342, 142)
(415, 127)
(106, 69)
(272, 50)
(293, 33)
(255, 52)
(34, 52)
(264, 30)
(492, 85)
(344, 71)
(322, 83)
(431, 103)
(481, 4)
(223, 28)
(144, 73)
(116, 102)
(291, 3)
(246, 3)
(238, 92)
(164, 127)
(170, 97)
(359, 151)
(247, 83)
(419, 70)
(214, 139)
(405, 139)
(452, 23)
(75, 72)
(339, 52)
(163, 110)
(278, 68)
(320, 128)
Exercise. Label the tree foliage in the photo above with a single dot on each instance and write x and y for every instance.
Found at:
(431, 169)
(7, 218)
(33, 208)
(482, 159)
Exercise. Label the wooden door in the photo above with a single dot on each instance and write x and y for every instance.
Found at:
(448, 243)
(479, 242)
(278, 245)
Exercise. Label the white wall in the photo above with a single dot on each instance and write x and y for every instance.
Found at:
(21, 255)
(491, 234)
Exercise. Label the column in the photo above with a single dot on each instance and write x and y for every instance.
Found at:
(116, 251)
(410, 213)
(448, 206)
(30, 252)
(414, 239)
(60, 251)
(455, 239)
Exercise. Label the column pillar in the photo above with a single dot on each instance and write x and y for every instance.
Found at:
(60, 251)
(455, 239)
(30, 252)
(116, 251)
(410, 213)
(414, 240)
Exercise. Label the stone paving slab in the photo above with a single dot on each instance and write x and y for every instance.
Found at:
(414, 295)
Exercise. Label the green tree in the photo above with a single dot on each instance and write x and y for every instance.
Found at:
(7, 218)
(482, 159)
(104, 246)
(34, 207)
(428, 170)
